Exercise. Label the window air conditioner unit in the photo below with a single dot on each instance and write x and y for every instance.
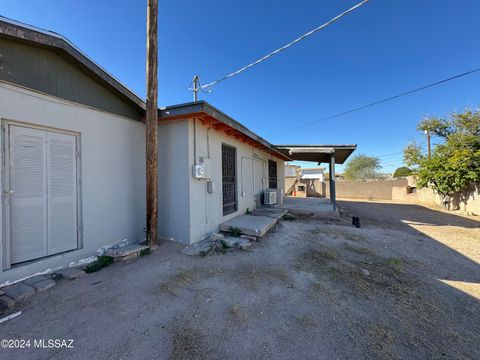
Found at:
(270, 197)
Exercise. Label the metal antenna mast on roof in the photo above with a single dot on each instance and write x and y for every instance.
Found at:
(196, 87)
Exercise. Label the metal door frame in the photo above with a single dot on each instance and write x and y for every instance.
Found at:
(235, 209)
(6, 211)
(270, 161)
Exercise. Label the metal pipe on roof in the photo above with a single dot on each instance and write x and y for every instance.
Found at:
(311, 150)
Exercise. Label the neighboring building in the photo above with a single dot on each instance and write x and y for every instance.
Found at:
(292, 171)
(304, 182)
(73, 170)
(313, 174)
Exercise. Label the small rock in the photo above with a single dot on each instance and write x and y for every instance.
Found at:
(231, 241)
(215, 237)
(244, 244)
(365, 272)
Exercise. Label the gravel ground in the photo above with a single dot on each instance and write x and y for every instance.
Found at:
(404, 285)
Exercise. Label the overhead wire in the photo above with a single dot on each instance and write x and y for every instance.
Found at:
(343, 113)
(275, 52)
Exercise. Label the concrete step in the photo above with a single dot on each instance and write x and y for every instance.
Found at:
(126, 252)
(70, 273)
(6, 302)
(252, 225)
(19, 291)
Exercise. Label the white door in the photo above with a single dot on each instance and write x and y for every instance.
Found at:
(28, 194)
(259, 176)
(61, 192)
(43, 193)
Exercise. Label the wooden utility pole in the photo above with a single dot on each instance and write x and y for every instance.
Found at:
(151, 122)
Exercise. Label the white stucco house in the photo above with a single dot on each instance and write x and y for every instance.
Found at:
(73, 159)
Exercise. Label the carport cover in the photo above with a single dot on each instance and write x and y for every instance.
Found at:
(317, 153)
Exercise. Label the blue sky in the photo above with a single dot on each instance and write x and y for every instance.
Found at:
(383, 48)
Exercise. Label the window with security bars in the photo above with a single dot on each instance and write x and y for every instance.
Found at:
(272, 174)
(229, 179)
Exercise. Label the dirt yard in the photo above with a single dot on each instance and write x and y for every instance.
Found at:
(403, 286)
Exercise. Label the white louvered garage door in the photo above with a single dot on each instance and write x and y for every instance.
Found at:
(62, 193)
(28, 195)
(43, 196)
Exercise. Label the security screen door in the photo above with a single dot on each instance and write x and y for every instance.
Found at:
(43, 193)
(272, 174)
(229, 179)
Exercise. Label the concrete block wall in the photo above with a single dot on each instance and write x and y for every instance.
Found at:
(468, 202)
(367, 190)
(289, 181)
(315, 187)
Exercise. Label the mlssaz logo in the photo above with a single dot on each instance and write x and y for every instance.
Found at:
(53, 343)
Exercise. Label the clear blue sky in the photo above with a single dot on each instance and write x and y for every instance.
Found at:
(381, 49)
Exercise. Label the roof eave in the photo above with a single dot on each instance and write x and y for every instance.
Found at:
(193, 109)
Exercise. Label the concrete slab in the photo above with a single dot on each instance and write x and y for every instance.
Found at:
(198, 248)
(35, 279)
(252, 225)
(274, 212)
(44, 285)
(7, 302)
(20, 291)
(127, 252)
(316, 207)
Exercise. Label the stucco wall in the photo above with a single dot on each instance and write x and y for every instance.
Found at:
(370, 189)
(112, 166)
(173, 181)
(206, 210)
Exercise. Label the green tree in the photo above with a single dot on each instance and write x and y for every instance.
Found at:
(402, 172)
(454, 164)
(362, 167)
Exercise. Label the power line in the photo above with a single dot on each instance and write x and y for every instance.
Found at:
(389, 155)
(343, 113)
(209, 85)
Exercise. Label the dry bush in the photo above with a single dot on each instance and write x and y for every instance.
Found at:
(179, 280)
